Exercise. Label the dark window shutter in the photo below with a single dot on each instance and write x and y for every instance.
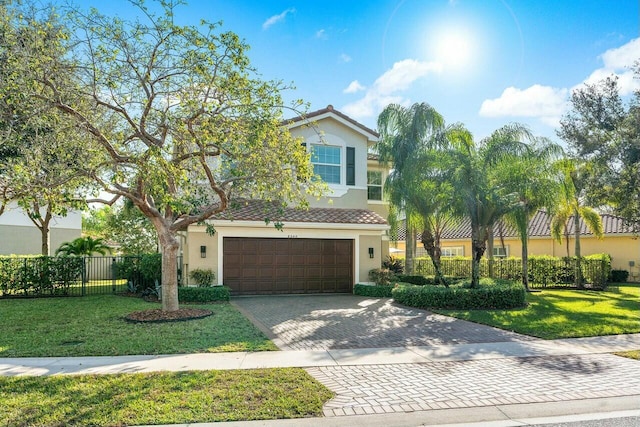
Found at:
(304, 144)
(351, 166)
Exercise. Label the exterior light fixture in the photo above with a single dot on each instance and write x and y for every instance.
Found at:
(370, 252)
(203, 251)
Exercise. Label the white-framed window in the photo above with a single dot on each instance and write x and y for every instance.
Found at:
(326, 162)
(374, 185)
(501, 252)
(453, 251)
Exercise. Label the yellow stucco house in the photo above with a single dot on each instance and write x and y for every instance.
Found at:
(327, 248)
(619, 241)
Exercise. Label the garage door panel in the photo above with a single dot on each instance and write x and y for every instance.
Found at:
(270, 266)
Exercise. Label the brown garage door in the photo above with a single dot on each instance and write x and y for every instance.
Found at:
(287, 266)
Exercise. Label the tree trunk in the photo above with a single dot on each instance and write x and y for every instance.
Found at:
(490, 251)
(45, 234)
(432, 246)
(409, 249)
(478, 246)
(576, 230)
(525, 264)
(169, 246)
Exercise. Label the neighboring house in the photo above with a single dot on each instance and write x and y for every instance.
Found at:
(619, 241)
(19, 236)
(327, 248)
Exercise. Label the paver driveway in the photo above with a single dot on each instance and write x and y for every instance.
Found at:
(319, 322)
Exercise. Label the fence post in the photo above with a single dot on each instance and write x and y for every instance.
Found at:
(84, 276)
(113, 275)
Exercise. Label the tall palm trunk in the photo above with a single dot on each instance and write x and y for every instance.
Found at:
(410, 249)
(576, 232)
(525, 264)
(431, 244)
(491, 262)
(478, 248)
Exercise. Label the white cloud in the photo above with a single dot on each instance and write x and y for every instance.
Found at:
(345, 58)
(549, 104)
(545, 102)
(618, 62)
(386, 87)
(321, 34)
(277, 18)
(354, 87)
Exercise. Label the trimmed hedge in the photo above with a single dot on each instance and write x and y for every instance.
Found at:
(415, 280)
(618, 276)
(377, 291)
(492, 294)
(39, 275)
(543, 270)
(214, 293)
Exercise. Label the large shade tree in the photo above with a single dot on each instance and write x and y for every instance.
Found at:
(405, 133)
(176, 115)
(604, 130)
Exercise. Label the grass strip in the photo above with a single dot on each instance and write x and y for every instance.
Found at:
(161, 398)
(95, 326)
(553, 314)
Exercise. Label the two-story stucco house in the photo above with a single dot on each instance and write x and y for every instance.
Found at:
(327, 248)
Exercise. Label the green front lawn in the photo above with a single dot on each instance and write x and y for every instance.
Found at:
(552, 314)
(160, 398)
(95, 326)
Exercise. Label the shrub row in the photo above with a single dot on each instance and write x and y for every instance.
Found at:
(376, 291)
(39, 275)
(618, 276)
(141, 271)
(543, 270)
(209, 294)
(491, 294)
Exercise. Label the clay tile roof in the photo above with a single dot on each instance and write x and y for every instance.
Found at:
(255, 210)
(328, 109)
(539, 226)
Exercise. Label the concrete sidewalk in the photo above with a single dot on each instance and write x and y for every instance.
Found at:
(317, 358)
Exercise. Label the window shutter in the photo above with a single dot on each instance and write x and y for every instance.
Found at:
(351, 166)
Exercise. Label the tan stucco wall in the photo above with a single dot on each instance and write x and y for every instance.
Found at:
(23, 240)
(367, 263)
(192, 256)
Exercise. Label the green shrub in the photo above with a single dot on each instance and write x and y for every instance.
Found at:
(396, 265)
(377, 291)
(415, 280)
(151, 267)
(596, 269)
(39, 275)
(491, 294)
(214, 293)
(203, 277)
(618, 276)
(381, 276)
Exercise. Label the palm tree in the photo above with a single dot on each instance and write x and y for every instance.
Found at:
(472, 169)
(532, 178)
(404, 134)
(83, 246)
(571, 206)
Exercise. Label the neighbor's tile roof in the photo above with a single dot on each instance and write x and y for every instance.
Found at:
(539, 226)
(255, 210)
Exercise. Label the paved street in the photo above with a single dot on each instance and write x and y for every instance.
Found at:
(319, 322)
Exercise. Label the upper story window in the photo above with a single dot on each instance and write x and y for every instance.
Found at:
(326, 162)
(374, 185)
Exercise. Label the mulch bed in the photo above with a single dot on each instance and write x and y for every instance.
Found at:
(159, 316)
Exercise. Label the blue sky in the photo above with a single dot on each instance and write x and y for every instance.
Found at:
(484, 63)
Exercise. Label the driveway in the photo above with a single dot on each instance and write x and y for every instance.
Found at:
(320, 322)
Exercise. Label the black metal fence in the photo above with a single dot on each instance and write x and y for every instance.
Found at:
(78, 276)
(543, 272)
